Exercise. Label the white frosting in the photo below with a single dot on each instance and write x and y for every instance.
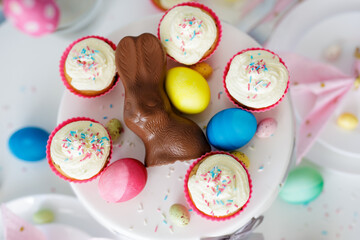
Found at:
(257, 79)
(80, 149)
(220, 186)
(170, 3)
(187, 33)
(91, 65)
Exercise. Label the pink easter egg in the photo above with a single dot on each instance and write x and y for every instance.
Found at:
(34, 17)
(122, 180)
(266, 128)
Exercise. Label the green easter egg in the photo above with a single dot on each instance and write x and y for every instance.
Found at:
(303, 185)
(179, 215)
(43, 216)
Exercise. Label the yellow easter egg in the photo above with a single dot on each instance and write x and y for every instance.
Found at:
(347, 121)
(187, 90)
(242, 157)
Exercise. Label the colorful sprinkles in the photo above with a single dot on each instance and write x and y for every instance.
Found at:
(86, 60)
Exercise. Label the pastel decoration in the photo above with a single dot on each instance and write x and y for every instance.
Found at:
(43, 216)
(179, 214)
(231, 129)
(187, 90)
(16, 228)
(347, 121)
(266, 128)
(29, 143)
(316, 90)
(122, 180)
(303, 185)
(33, 17)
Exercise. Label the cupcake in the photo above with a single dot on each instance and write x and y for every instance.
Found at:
(189, 32)
(167, 4)
(256, 79)
(79, 149)
(217, 186)
(87, 66)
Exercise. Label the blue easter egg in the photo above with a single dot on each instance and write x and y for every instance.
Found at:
(231, 129)
(29, 143)
(303, 185)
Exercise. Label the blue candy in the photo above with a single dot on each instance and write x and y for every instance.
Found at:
(29, 143)
(231, 129)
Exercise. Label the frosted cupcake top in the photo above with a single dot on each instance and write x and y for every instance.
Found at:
(91, 65)
(80, 149)
(257, 78)
(187, 33)
(167, 4)
(220, 186)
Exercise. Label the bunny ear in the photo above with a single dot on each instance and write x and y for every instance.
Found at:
(316, 90)
(15, 228)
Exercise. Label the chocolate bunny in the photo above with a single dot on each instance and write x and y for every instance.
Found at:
(168, 137)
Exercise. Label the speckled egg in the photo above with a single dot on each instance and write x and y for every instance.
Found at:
(114, 128)
(303, 185)
(347, 121)
(231, 129)
(187, 89)
(179, 215)
(43, 216)
(242, 157)
(29, 143)
(266, 128)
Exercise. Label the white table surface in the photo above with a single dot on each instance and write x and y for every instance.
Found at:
(31, 93)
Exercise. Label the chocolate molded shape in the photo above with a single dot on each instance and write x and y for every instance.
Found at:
(168, 137)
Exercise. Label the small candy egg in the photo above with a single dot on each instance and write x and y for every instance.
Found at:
(303, 185)
(347, 121)
(114, 128)
(242, 157)
(203, 68)
(29, 143)
(179, 214)
(43, 216)
(231, 129)
(188, 91)
(122, 180)
(266, 128)
(332, 52)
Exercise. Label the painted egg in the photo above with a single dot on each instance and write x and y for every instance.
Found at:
(303, 185)
(122, 180)
(266, 128)
(43, 216)
(179, 215)
(114, 127)
(242, 157)
(33, 17)
(347, 121)
(29, 143)
(187, 89)
(231, 129)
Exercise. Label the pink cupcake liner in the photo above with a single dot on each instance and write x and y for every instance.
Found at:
(48, 155)
(241, 106)
(62, 64)
(191, 203)
(205, 8)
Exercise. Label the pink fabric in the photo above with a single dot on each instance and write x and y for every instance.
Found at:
(15, 228)
(34, 17)
(249, 6)
(280, 6)
(316, 89)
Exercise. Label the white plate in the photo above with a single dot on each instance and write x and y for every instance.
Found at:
(336, 24)
(71, 221)
(142, 217)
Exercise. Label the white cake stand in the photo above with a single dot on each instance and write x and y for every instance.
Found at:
(146, 215)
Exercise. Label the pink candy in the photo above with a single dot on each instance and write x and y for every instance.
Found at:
(34, 17)
(266, 128)
(122, 180)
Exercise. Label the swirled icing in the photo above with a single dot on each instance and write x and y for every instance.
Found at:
(187, 33)
(91, 65)
(80, 149)
(220, 186)
(257, 78)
